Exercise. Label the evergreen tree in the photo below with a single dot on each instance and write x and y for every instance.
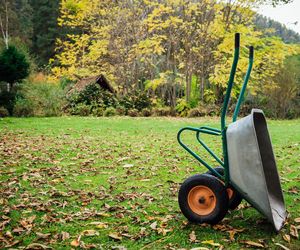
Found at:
(13, 66)
(45, 28)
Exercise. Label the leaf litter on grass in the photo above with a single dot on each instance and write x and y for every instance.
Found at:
(59, 189)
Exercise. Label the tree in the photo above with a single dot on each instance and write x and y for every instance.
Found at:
(169, 47)
(44, 29)
(13, 66)
(15, 22)
(277, 2)
(4, 24)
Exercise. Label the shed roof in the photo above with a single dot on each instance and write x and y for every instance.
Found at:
(100, 79)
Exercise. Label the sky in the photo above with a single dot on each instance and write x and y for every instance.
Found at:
(286, 14)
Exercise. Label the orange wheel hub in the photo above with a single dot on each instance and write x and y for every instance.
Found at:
(229, 192)
(202, 200)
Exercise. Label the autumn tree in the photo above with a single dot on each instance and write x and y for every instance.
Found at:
(163, 46)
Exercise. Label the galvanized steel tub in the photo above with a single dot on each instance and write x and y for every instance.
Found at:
(252, 166)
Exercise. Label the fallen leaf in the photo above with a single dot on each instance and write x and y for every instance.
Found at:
(90, 233)
(286, 237)
(102, 225)
(211, 242)
(154, 225)
(294, 231)
(128, 166)
(9, 234)
(118, 248)
(65, 235)
(253, 244)
(297, 220)
(37, 246)
(282, 246)
(192, 236)
(115, 236)
(200, 248)
(75, 243)
(42, 236)
(103, 214)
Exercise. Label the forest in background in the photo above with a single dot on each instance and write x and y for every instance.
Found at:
(163, 57)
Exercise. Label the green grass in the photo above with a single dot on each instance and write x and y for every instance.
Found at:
(72, 172)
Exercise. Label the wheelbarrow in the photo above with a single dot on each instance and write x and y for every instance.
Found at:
(247, 170)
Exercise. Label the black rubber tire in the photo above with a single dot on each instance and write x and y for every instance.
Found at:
(216, 187)
(236, 198)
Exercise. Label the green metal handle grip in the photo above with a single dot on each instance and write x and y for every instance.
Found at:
(246, 79)
(231, 79)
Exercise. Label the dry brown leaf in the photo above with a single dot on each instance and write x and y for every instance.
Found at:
(297, 220)
(75, 243)
(254, 244)
(286, 237)
(128, 166)
(103, 214)
(9, 234)
(42, 236)
(154, 225)
(231, 235)
(65, 235)
(282, 246)
(102, 225)
(294, 231)
(37, 246)
(90, 232)
(200, 248)
(192, 236)
(118, 248)
(115, 236)
(211, 242)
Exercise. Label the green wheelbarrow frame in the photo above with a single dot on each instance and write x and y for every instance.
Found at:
(250, 134)
(222, 132)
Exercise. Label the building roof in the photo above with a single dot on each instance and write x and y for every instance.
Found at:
(100, 79)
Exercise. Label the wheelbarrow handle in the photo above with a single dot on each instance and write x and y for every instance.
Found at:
(231, 79)
(246, 79)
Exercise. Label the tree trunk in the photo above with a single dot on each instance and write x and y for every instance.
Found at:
(202, 88)
(188, 87)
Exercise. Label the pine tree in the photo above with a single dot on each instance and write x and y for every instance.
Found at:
(45, 29)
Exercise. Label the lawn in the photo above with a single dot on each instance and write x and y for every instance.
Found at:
(112, 183)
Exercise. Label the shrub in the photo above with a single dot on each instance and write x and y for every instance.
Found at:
(196, 112)
(7, 99)
(182, 107)
(82, 110)
(3, 112)
(23, 108)
(163, 112)
(135, 100)
(46, 99)
(213, 110)
(121, 110)
(110, 112)
(146, 112)
(133, 112)
(93, 95)
(98, 111)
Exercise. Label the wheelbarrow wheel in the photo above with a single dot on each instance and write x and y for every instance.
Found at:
(203, 199)
(234, 196)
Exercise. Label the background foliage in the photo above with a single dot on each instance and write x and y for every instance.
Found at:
(173, 55)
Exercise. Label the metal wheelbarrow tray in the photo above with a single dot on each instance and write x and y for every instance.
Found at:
(252, 166)
(247, 169)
